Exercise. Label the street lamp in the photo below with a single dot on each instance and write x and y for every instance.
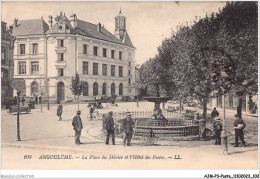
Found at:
(18, 112)
(48, 105)
(224, 133)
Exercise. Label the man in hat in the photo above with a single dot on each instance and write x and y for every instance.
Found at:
(214, 113)
(128, 125)
(77, 124)
(217, 129)
(239, 126)
(109, 125)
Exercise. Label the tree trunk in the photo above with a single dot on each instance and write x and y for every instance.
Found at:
(239, 108)
(180, 106)
(204, 108)
(78, 102)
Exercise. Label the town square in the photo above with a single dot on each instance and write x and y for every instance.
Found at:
(130, 85)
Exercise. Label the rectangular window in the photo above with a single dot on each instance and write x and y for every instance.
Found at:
(129, 63)
(60, 56)
(60, 43)
(104, 69)
(95, 50)
(85, 49)
(22, 67)
(60, 72)
(113, 70)
(35, 48)
(120, 71)
(35, 68)
(129, 81)
(22, 48)
(120, 55)
(85, 68)
(3, 55)
(104, 52)
(112, 53)
(95, 68)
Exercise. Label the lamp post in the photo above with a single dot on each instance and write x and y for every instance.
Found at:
(48, 105)
(224, 133)
(18, 113)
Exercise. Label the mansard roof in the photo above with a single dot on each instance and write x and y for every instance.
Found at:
(39, 26)
(30, 27)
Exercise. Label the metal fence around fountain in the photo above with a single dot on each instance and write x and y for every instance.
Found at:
(179, 126)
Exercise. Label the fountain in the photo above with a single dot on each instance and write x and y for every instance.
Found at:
(157, 123)
(156, 98)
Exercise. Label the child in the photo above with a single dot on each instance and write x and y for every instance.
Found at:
(217, 129)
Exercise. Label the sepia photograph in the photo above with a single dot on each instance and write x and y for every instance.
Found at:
(129, 85)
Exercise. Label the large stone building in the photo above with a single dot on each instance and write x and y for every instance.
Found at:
(48, 55)
(7, 47)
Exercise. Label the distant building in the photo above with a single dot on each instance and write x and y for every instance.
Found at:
(249, 103)
(47, 56)
(7, 47)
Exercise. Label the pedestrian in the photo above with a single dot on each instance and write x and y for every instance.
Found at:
(36, 99)
(91, 111)
(214, 113)
(23, 100)
(128, 125)
(217, 130)
(109, 125)
(239, 126)
(77, 126)
(40, 99)
(59, 110)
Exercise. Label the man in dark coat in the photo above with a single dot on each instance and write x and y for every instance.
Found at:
(59, 110)
(77, 124)
(217, 130)
(128, 126)
(214, 113)
(40, 99)
(239, 126)
(36, 99)
(109, 125)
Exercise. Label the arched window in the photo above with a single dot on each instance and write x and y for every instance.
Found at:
(85, 88)
(113, 88)
(120, 89)
(95, 89)
(104, 89)
(34, 88)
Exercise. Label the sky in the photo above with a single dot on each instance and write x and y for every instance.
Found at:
(147, 23)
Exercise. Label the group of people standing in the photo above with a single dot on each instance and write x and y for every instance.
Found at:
(127, 126)
(239, 126)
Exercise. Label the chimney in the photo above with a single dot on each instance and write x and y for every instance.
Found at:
(73, 20)
(99, 27)
(15, 22)
(50, 20)
(11, 28)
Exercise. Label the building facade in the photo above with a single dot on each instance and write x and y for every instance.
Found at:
(249, 103)
(7, 47)
(48, 55)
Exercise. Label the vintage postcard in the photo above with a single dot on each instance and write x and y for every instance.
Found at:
(130, 85)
